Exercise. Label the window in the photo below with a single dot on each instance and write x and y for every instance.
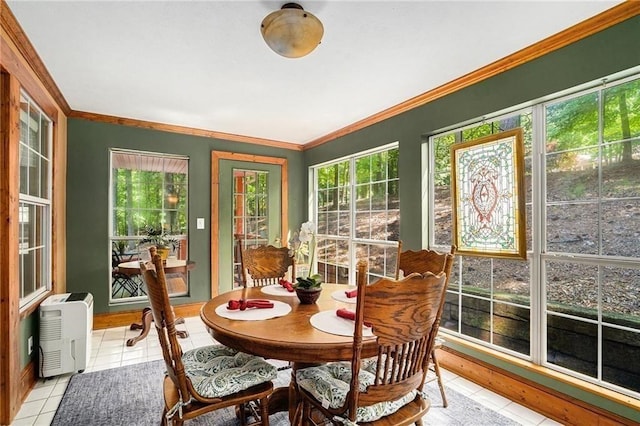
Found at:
(147, 190)
(591, 257)
(485, 295)
(34, 211)
(580, 286)
(358, 214)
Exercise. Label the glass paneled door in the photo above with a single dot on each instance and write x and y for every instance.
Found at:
(250, 211)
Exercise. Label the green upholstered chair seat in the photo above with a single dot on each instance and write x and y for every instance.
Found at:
(329, 384)
(216, 371)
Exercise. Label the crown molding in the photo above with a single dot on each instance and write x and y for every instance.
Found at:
(102, 118)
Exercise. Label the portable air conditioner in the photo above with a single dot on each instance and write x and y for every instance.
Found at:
(66, 321)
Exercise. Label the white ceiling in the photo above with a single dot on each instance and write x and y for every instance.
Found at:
(203, 64)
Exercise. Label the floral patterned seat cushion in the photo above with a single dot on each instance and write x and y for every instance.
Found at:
(329, 384)
(216, 371)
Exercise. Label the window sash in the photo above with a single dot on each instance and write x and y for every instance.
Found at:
(340, 248)
(34, 211)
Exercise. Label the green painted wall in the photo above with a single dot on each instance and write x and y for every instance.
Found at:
(29, 327)
(602, 54)
(88, 249)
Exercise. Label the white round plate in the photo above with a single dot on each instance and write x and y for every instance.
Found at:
(279, 309)
(329, 322)
(340, 295)
(277, 290)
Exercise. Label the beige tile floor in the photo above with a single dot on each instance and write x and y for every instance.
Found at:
(109, 349)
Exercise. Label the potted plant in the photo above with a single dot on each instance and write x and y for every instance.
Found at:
(155, 236)
(307, 287)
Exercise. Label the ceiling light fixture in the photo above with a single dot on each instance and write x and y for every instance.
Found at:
(291, 31)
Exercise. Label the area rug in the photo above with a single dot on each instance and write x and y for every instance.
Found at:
(132, 396)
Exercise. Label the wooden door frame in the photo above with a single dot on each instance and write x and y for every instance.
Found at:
(216, 156)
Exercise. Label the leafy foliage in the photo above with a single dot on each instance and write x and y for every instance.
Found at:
(157, 237)
(309, 283)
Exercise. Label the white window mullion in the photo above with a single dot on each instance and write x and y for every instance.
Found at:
(537, 287)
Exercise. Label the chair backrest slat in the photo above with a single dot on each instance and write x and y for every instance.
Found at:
(266, 265)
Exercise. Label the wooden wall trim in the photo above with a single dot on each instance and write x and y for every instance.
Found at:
(125, 318)
(10, 391)
(14, 66)
(14, 31)
(549, 402)
(28, 379)
(216, 156)
(102, 118)
(600, 22)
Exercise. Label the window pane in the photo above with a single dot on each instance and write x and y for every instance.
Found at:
(476, 276)
(323, 223)
(476, 318)
(363, 170)
(33, 126)
(576, 179)
(618, 348)
(344, 174)
(43, 184)
(332, 228)
(572, 344)
(362, 197)
(363, 222)
(618, 175)
(344, 223)
(572, 123)
(570, 292)
(381, 259)
(621, 296)
(511, 327)
(572, 239)
(450, 318)
(618, 217)
(33, 171)
(45, 125)
(621, 113)
(28, 278)
(392, 164)
(442, 214)
(24, 169)
(511, 280)
(333, 260)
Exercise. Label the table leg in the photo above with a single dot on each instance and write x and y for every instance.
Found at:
(145, 326)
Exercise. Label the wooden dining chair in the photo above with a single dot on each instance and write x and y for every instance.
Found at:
(422, 261)
(266, 265)
(386, 389)
(208, 378)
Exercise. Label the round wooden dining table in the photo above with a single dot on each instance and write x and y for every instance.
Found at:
(171, 266)
(290, 337)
